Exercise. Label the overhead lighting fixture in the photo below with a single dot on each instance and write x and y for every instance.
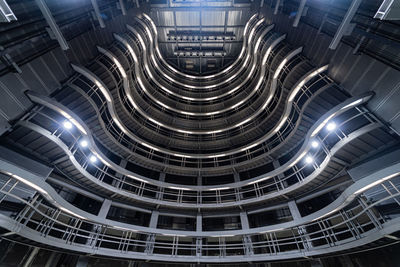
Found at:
(315, 144)
(309, 159)
(331, 126)
(84, 143)
(67, 125)
(93, 158)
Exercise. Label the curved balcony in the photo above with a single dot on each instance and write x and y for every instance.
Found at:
(118, 134)
(297, 171)
(358, 219)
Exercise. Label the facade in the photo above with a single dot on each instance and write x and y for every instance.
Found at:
(199, 132)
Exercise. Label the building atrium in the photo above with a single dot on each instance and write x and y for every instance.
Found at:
(138, 133)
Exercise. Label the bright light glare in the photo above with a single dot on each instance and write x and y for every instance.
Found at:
(84, 143)
(93, 158)
(314, 144)
(331, 126)
(67, 125)
(309, 160)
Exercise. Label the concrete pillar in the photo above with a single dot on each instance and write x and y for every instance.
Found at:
(199, 223)
(294, 210)
(160, 194)
(31, 257)
(105, 207)
(82, 261)
(154, 219)
(248, 245)
(199, 228)
(52, 260)
(244, 220)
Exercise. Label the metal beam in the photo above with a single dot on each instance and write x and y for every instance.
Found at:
(98, 14)
(122, 5)
(52, 23)
(389, 10)
(299, 13)
(6, 14)
(341, 31)
(278, 2)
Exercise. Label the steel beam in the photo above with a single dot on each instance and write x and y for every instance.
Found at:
(122, 5)
(52, 23)
(98, 14)
(278, 2)
(299, 13)
(342, 30)
(6, 14)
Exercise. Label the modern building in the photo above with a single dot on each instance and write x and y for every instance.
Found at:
(199, 133)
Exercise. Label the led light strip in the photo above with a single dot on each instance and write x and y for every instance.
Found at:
(302, 151)
(345, 198)
(133, 30)
(110, 106)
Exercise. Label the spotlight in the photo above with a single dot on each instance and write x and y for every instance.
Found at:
(331, 126)
(84, 143)
(314, 144)
(67, 125)
(309, 159)
(93, 158)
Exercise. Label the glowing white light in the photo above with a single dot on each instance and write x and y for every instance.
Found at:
(309, 159)
(84, 143)
(93, 158)
(315, 144)
(331, 126)
(67, 125)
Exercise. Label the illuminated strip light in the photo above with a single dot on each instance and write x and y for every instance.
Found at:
(209, 132)
(43, 192)
(210, 98)
(259, 39)
(133, 30)
(114, 59)
(189, 86)
(128, 46)
(186, 155)
(305, 80)
(88, 74)
(201, 77)
(254, 29)
(272, 46)
(359, 191)
(217, 189)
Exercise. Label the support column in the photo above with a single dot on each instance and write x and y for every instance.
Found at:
(299, 13)
(199, 228)
(154, 219)
(343, 28)
(248, 245)
(119, 175)
(98, 14)
(122, 5)
(105, 207)
(276, 165)
(294, 210)
(151, 238)
(159, 194)
(31, 257)
(236, 178)
(52, 23)
(82, 261)
(52, 260)
(278, 2)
